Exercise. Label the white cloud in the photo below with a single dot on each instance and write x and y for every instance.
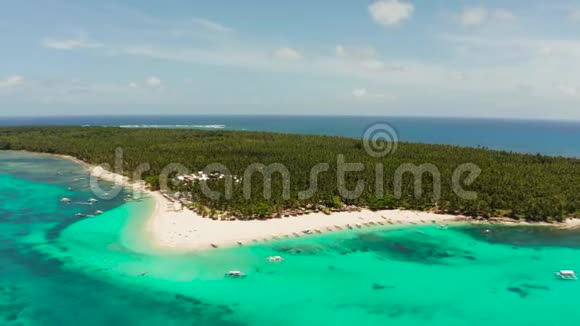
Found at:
(503, 15)
(390, 12)
(460, 76)
(288, 54)
(364, 58)
(363, 93)
(373, 64)
(69, 44)
(545, 65)
(153, 82)
(496, 63)
(192, 25)
(477, 16)
(355, 53)
(211, 25)
(570, 91)
(340, 51)
(360, 92)
(85, 92)
(546, 50)
(12, 81)
(474, 16)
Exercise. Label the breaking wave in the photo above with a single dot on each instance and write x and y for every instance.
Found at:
(176, 126)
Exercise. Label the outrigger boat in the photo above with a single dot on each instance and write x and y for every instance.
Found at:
(567, 275)
(235, 274)
(275, 259)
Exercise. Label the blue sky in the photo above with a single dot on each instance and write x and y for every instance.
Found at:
(384, 57)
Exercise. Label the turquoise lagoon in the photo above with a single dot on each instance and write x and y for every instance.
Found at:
(58, 269)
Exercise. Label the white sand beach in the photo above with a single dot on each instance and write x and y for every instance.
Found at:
(182, 230)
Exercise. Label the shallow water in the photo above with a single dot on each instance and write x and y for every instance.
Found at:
(57, 269)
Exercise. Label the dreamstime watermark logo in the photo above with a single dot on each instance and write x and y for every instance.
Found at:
(379, 140)
(115, 175)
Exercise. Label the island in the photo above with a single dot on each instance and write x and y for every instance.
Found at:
(297, 184)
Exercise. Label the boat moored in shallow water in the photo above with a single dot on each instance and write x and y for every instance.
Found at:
(235, 274)
(567, 275)
(275, 259)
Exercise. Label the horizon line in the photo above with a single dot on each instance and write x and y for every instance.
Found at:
(222, 115)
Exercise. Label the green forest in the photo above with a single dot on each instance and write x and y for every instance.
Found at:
(520, 186)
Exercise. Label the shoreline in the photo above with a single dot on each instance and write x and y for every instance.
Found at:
(172, 228)
(98, 172)
(184, 230)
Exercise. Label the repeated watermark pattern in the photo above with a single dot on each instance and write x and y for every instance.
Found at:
(379, 140)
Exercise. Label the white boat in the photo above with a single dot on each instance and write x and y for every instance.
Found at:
(98, 212)
(235, 274)
(567, 275)
(275, 259)
(92, 200)
(65, 200)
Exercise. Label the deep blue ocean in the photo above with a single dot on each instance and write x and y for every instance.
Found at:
(559, 138)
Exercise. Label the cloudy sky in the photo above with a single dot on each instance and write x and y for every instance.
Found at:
(511, 58)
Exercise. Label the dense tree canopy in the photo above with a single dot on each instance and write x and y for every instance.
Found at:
(516, 185)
